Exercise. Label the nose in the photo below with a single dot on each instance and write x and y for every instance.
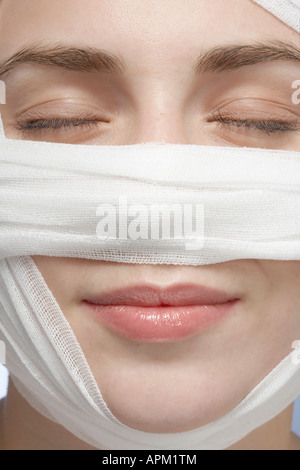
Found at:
(160, 127)
(159, 109)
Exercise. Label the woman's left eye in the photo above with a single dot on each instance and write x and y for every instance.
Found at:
(267, 126)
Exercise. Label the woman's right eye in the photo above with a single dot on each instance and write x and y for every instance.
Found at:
(63, 129)
(35, 125)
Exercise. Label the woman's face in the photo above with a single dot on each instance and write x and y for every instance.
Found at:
(164, 92)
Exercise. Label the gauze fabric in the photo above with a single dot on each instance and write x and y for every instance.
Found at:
(287, 11)
(50, 194)
(49, 198)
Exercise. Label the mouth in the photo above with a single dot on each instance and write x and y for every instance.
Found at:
(150, 314)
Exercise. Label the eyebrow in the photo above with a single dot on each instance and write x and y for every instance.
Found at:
(233, 57)
(85, 59)
(89, 59)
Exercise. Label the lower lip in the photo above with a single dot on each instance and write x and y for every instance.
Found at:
(160, 324)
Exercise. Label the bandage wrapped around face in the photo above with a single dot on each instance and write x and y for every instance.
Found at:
(50, 195)
(52, 199)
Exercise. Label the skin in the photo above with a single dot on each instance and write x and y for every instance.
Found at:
(159, 99)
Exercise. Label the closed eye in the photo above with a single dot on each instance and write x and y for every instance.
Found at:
(56, 124)
(267, 126)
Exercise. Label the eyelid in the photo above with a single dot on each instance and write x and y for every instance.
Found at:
(66, 114)
(31, 122)
(59, 122)
(269, 124)
(273, 108)
(67, 109)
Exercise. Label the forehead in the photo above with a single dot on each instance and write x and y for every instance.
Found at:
(151, 28)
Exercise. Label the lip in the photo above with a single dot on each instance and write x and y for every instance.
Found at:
(151, 314)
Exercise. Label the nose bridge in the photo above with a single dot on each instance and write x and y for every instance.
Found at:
(160, 126)
(159, 112)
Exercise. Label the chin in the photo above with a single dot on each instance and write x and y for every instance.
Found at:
(175, 405)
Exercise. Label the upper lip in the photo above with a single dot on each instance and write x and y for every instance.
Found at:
(175, 295)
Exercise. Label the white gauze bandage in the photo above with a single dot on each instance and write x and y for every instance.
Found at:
(50, 194)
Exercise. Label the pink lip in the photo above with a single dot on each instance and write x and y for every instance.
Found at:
(149, 314)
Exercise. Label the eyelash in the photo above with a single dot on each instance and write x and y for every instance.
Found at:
(55, 124)
(268, 127)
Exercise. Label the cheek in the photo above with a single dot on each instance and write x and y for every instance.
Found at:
(282, 276)
(283, 300)
(62, 275)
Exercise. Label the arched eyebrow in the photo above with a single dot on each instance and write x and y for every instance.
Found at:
(233, 57)
(89, 59)
(85, 59)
